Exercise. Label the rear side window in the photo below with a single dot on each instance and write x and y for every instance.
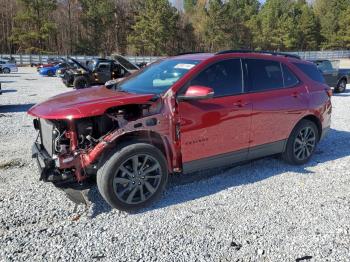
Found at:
(289, 78)
(225, 77)
(264, 75)
(311, 71)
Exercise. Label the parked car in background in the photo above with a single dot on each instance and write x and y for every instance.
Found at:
(8, 67)
(51, 71)
(334, 77)
(98, 71)
(179, 115)
(10, 60)
(69, 65)
(49, 63)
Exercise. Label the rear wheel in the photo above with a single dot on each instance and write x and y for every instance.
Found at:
(302, 143)
(133, 177)
(6, 70)
(80, 82)
(341, 86)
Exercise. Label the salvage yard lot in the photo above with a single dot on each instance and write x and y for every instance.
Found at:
(265, 210)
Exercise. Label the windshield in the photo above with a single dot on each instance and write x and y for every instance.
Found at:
(158, 77)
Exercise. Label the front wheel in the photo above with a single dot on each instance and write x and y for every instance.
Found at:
(133, 177)
(80, 82)
(341, 86)
(302, 143)
(6, 70)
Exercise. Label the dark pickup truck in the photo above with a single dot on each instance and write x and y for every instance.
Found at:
(335, 77)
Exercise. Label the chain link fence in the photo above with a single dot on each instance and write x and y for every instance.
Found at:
(23, 59)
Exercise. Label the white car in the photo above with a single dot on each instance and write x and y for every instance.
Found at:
(8, 67)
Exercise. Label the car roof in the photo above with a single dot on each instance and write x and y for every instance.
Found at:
(272, 56)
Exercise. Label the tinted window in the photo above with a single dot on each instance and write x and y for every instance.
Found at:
(311, 71)
(224, 77)
(104, 67)
(264, 75)
(289, 78)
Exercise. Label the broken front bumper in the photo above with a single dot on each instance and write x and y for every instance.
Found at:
(76, 192)
(45, 163)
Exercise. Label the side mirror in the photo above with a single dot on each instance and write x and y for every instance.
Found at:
(196, 93)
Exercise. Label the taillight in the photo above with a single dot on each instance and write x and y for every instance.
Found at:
(329, 92)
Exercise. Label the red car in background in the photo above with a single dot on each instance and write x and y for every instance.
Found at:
(49, 63)
(181, 114)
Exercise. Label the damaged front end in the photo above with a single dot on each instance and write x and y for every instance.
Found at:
(69, 152)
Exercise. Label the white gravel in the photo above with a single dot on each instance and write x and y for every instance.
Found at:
(262, 211)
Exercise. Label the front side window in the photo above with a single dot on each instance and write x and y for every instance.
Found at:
(224, 77)
(158, 77)
(264, 75)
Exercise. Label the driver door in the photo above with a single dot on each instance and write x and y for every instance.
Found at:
(215, 131)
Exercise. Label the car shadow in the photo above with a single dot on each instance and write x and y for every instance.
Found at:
(2, 75)
(7, 81)
(345, 93)
(184, 188)
(8, 91)
(16, 108)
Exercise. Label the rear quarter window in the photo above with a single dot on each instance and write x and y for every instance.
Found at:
(311, 71)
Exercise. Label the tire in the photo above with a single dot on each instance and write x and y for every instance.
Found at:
(80, 82)
(6, 70)
(121, 187)
(301, 143)
(50, 73)
(341, 86)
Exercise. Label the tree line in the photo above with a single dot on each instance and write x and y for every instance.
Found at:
(155, 27)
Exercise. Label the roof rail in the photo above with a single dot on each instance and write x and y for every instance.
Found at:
(259, 52)
(189, 53)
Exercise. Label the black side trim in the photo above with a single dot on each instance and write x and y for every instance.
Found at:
(215, 161)
(267, 149)
(235, 157)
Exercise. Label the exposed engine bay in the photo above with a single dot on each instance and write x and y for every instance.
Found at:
(74, 147)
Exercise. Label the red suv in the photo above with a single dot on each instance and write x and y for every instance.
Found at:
(179, 115)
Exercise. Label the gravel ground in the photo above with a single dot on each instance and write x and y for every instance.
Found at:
(262, 211)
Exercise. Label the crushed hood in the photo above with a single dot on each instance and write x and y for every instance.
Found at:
(87, 102)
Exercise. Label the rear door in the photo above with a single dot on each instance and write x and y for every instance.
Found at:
(214, 128)
(278, 100)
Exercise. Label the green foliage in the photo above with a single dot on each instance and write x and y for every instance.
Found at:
(343, 35)
(242, 14)
(33, 26)
(97, 18)
(330, 13)
(189, 5)
(155, 28)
